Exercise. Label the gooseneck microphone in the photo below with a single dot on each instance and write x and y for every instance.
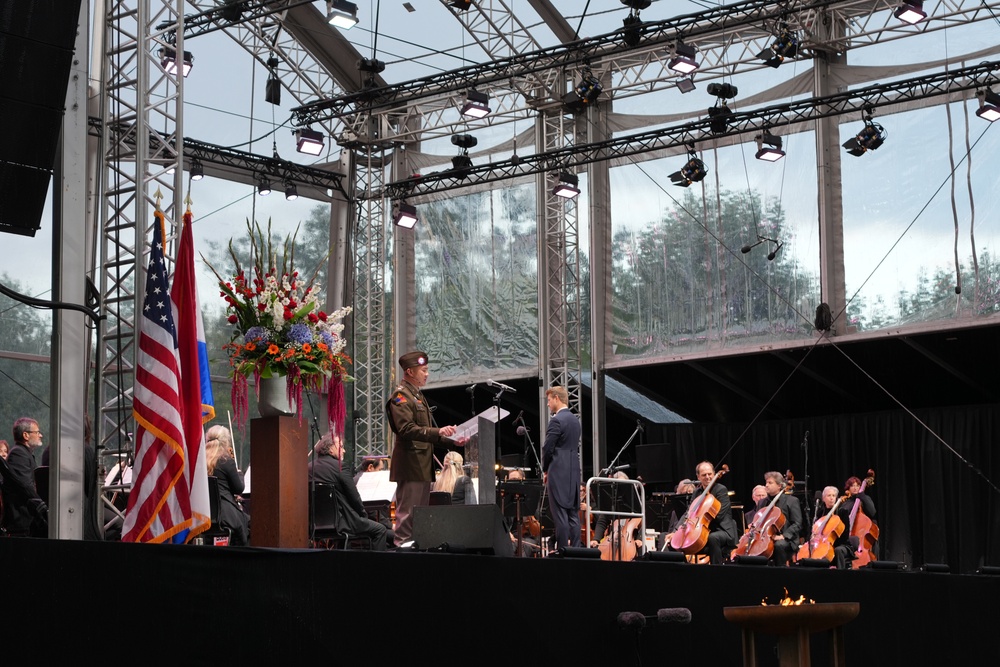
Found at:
(521, 430)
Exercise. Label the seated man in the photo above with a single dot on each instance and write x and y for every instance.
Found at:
(327, 468)
(25, 513)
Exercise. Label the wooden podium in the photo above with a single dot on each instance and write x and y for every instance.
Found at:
(279, 456)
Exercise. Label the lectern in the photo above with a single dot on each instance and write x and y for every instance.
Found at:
(279, 456)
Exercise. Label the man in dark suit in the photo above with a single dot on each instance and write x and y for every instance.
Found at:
(722, 528)
(25, 513)
(413, 450)
(327, 468)
(561, 468)
(786, 543)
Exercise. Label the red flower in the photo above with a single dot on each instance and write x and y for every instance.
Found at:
(233, 319)
(261, 306)
(313, 317)
(322, 316)
(288, 314)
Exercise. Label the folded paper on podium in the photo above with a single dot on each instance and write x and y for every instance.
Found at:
(470, 428)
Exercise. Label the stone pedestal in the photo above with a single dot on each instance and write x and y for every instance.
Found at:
(279, 457)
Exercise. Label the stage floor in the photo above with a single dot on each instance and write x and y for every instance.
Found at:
(145, 603)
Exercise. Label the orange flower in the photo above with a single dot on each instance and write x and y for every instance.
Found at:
(323, 346)
(307, 348)
(251, 347)
(273, 349)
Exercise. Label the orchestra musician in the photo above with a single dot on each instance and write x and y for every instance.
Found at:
(758, 494)
(786, 542)
(722, 528)
(853, 487)
(843, 553)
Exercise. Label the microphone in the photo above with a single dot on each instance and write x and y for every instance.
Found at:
(771, 255)
(521, 430)
(631, 619)
(617, 468)
(520, 417)
(674, 615)
(639, 426)
(747, 248)
(471, 388)
(501, 386)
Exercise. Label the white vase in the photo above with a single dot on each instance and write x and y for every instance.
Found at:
(272, 398)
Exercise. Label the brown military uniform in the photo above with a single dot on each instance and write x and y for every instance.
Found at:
(411, 421)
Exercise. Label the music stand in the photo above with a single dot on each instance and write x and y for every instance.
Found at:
(523, 494)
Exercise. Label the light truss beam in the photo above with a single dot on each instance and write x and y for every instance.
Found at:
(698, 131)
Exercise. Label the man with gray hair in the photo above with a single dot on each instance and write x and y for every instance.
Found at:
(328, 468)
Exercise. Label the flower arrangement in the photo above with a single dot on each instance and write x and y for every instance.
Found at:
(284, 332)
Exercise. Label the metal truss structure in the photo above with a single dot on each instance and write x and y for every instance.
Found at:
(371, 118)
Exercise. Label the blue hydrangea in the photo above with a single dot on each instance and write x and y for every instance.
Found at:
(326, 337)
(256, 335)
(300, 333)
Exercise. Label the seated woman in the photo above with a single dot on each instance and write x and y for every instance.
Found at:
(221, 465)
(453, 480)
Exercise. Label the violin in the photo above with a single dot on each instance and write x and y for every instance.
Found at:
(863, 528)
(691, 535)
(758, 538)
(824, 534)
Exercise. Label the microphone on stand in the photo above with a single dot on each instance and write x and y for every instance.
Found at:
(501, 386)
(631, 619)
(674, 615)
(471, 388)
(617, 468)
(521, 430)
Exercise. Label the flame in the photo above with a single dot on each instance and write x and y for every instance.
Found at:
(789, 602)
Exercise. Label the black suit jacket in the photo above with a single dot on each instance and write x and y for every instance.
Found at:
(24, 512)
(326, 469)
(792, 509)
(561, 459)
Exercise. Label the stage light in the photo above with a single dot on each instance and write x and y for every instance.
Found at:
(197, 170)
(461, 5)
(272, 89)
(786, 45)
(718, 118)
(291, 192)
(871, 136)
(692, 172)
(684, 61)
(632, 30)
(168, 60)
(769, 148)
(341, 14)
(477, 104)
(585, 93)
(724, 91)
(370, 65)
(911, 12)
(989, 105)
(404, 215)
(685, 85)
(568, 185)
(263, 186)
(309, 141)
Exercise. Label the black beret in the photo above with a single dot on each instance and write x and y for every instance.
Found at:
(413, 359)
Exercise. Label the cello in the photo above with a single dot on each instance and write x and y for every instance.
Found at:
(757, 540)
(692, 533)
(824, 533)
(619, 543)
(863, 528)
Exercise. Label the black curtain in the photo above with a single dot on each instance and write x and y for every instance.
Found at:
(936, 473)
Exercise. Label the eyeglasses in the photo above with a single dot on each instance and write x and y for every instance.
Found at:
(38, 432)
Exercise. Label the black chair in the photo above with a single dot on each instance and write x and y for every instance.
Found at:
(42, 482)
(216, 535)
(440, 498)
(326, 521)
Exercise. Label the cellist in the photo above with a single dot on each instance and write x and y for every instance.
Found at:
(722, 528)
(843, 553)
(786, 542)
(853, 487)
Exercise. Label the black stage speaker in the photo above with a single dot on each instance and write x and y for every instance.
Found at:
(37, 38)
(469, 528)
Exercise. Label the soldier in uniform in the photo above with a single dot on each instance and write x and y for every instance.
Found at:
(413, 451)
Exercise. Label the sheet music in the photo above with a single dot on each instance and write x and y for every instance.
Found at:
(376, 487)
(470, 428)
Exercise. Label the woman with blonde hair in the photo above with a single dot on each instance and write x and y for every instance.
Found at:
(453, 480)
(221, 465)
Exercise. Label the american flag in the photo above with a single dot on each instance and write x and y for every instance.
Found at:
(159, 505)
